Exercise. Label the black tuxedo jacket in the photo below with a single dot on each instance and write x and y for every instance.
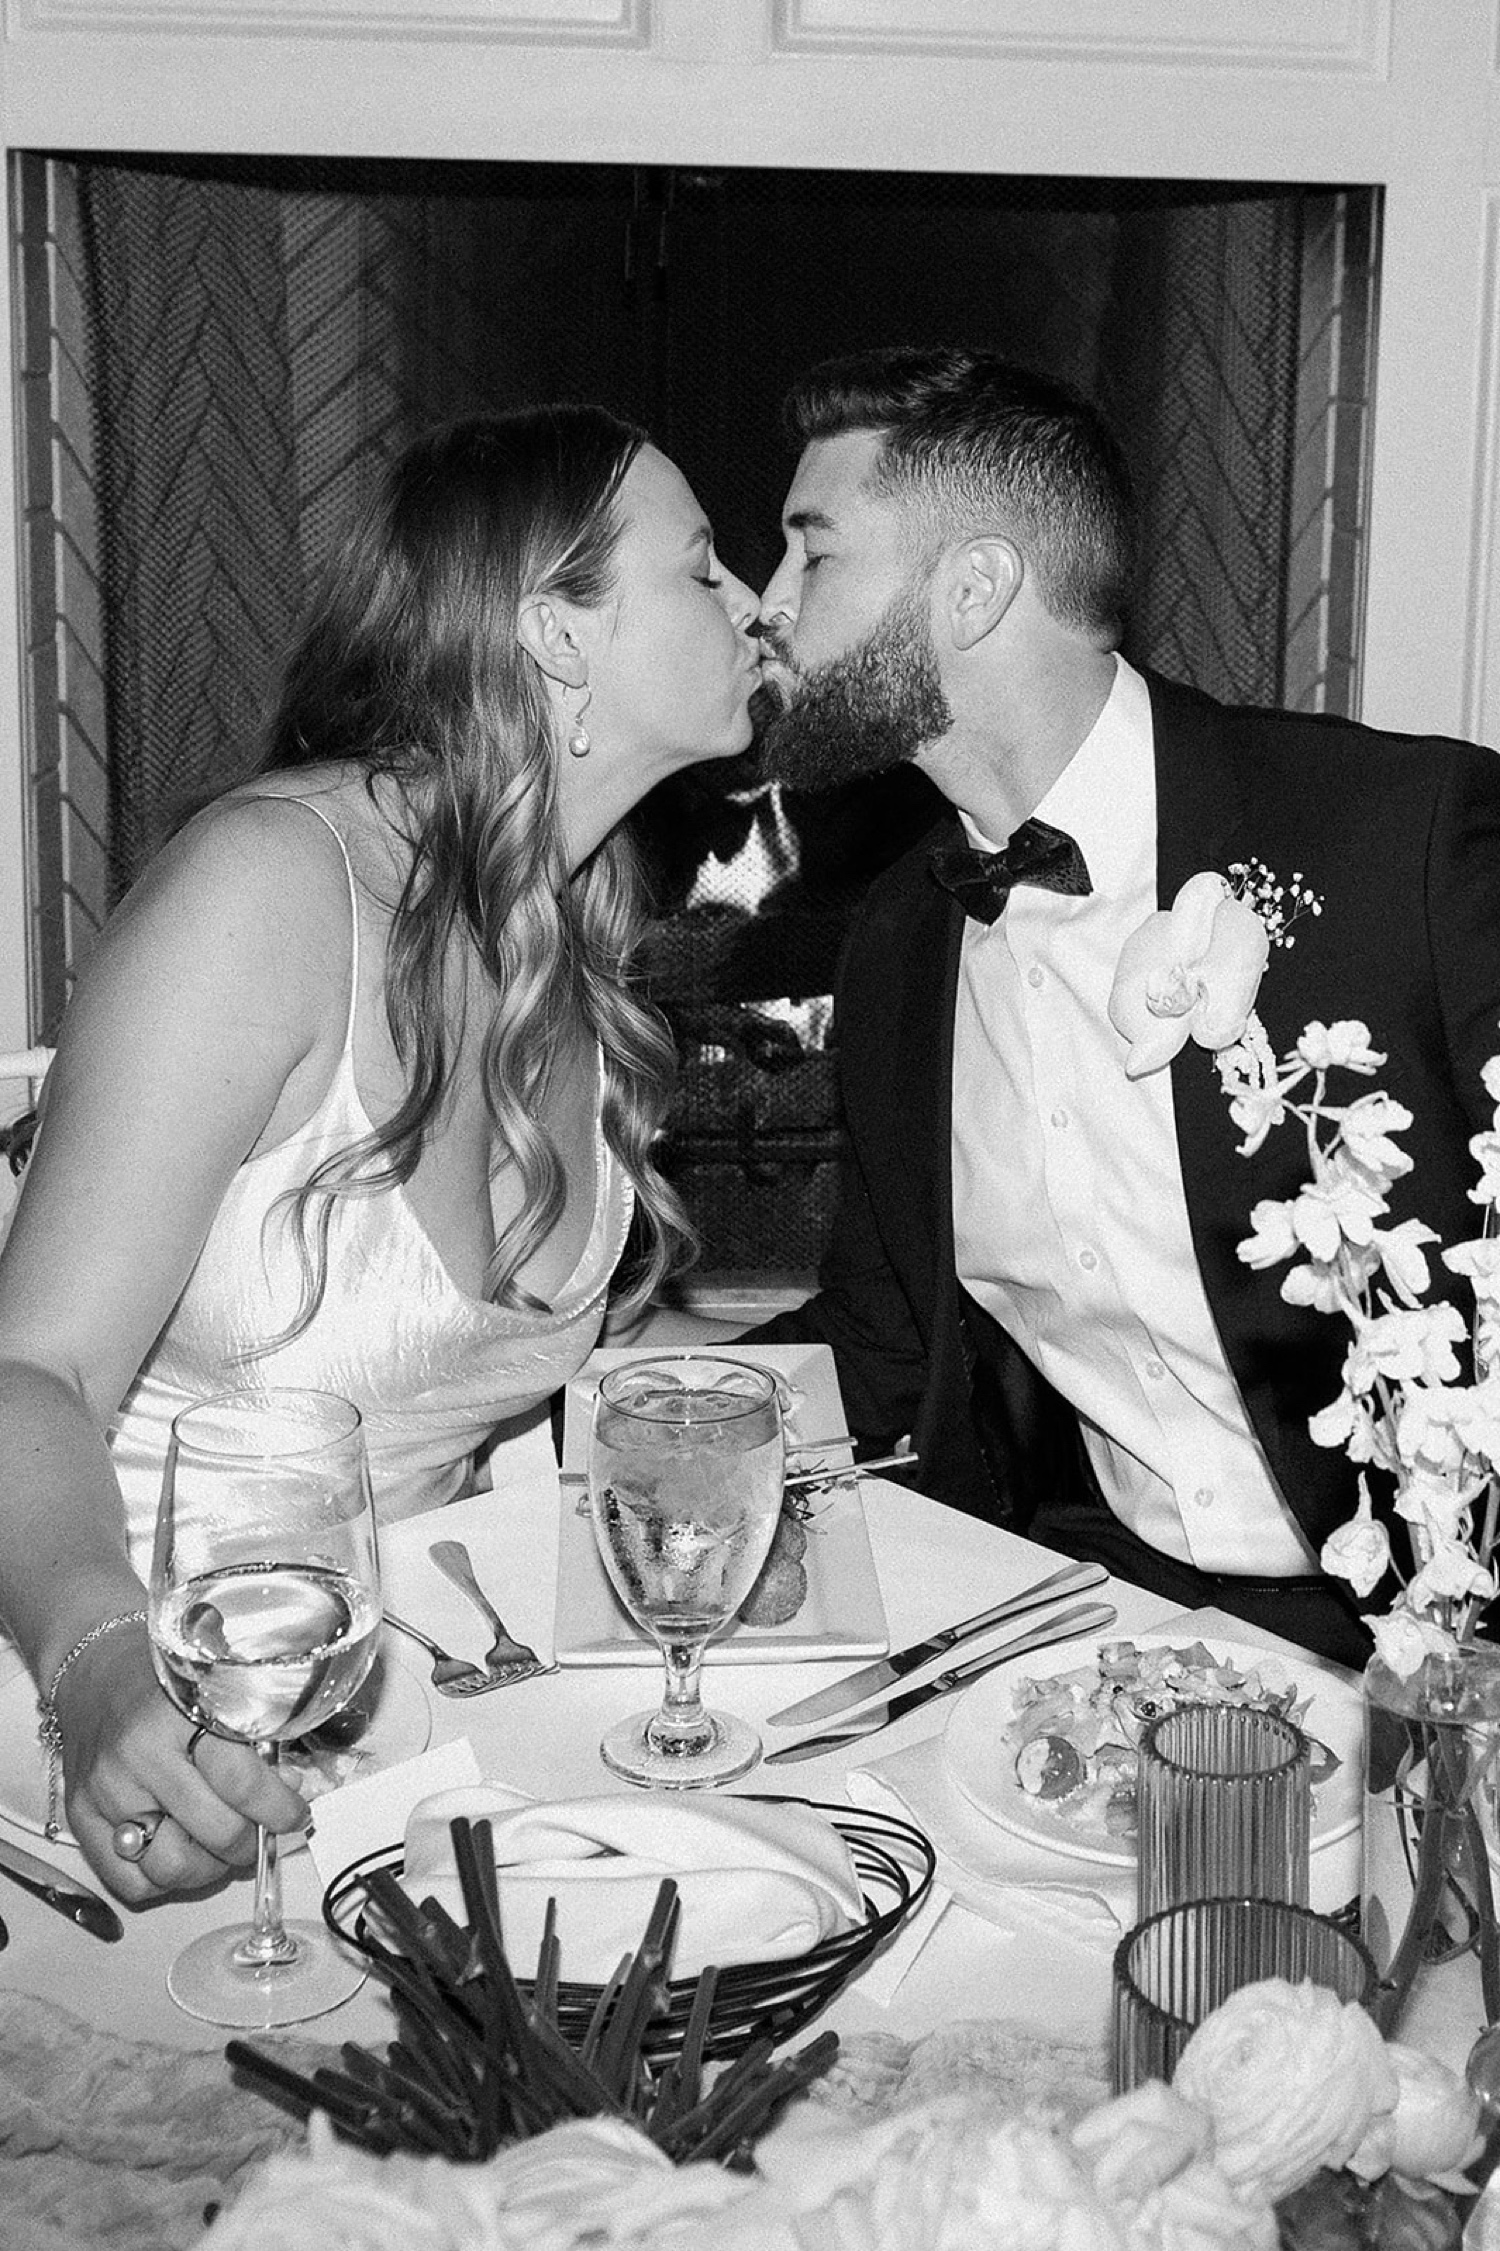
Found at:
(1400, 837)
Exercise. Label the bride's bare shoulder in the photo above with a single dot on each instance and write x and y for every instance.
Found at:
(338, 797)
(253, 876)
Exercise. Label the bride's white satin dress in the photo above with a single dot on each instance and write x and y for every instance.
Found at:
(432, 1370)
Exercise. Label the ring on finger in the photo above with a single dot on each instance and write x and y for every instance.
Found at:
(192, 1744)
(132, 1838)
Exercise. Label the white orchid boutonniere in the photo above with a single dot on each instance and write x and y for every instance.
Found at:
(1189, 972)
(1192, 971)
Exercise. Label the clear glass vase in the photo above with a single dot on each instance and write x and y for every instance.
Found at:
(1431, 1868)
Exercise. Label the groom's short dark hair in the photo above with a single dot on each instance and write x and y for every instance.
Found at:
(975, 443)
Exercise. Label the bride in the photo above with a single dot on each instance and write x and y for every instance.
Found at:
(356, 1090)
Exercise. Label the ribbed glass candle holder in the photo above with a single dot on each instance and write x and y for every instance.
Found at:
(1224, 1807)
(1174, 1969)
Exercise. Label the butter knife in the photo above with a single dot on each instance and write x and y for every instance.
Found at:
(1083, 1618)
(854, 1688)
(65, 1893)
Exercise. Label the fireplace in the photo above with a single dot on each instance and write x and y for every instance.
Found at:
(218, 356)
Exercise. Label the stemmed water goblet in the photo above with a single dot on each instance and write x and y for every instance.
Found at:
(264, 1617)
(686, 1463)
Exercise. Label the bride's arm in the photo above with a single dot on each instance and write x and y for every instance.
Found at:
(203, 1018)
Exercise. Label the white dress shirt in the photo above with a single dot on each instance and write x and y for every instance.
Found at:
(1070, 1221)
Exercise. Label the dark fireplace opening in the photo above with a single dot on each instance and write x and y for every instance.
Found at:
(218, 356)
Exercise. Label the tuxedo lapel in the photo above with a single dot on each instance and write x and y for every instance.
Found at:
(1203, 818)
(1199, 825)
(1200, 789)
(907, 968)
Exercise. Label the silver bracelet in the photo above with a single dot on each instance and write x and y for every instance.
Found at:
(49, 1734)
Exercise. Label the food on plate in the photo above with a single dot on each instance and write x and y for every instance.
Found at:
(1075, 1736)
(780, 1591)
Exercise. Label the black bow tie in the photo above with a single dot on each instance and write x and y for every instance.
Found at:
(981, 882)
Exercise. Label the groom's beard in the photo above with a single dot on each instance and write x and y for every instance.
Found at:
(863, 712)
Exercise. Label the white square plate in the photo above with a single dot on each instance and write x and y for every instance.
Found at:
(843, 1615)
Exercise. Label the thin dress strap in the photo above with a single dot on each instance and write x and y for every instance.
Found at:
(265, 798)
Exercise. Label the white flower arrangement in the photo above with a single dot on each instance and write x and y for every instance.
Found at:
(1406, 1406)
(1281, 2087)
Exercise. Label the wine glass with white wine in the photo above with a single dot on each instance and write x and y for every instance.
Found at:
(264, 1618)
(686, 1462)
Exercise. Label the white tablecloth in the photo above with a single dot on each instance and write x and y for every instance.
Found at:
(935, 1566)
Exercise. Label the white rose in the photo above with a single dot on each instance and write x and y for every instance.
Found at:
(1433, 2133)
(1292, 2078)
(944, 2176)
(330, 2197)
(604, 2173)
(1139, 2140)
(1200, 2211)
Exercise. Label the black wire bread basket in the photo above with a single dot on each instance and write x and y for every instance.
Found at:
(753, 2001)
(484, 2057)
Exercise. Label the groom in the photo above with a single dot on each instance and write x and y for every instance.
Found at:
(1033, 1269)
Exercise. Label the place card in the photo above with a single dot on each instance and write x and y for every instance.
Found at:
(369, 1815)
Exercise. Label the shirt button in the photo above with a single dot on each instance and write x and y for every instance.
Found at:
(1155, 1370)
(1204, 1496)
(1059, 1118)
(1088, 1260)
(1034, 977)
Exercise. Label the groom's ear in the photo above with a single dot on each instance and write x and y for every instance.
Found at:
(546, 632)
(977, 584)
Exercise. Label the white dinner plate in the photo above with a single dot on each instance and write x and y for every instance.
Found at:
(399, 1727)
(842, 1616)
(982, 1763)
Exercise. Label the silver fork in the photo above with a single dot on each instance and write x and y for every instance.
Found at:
(451, 1676)
(506, 1659)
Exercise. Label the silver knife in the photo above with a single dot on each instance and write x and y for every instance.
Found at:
(1084, 1618)
(65, 1893)
(870, 1679)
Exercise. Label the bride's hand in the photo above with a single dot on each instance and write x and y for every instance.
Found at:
(125, 1751)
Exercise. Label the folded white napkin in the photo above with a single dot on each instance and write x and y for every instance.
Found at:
(758, 1882)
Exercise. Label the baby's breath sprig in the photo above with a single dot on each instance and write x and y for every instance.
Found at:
(1280, 905)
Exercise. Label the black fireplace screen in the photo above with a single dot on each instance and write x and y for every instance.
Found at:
(218, 356)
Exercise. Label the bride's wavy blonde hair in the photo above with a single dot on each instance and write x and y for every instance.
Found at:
(410, 666)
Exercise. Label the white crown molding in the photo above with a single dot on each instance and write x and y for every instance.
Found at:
(1480, 712)
(1351, 36)
(590, 23)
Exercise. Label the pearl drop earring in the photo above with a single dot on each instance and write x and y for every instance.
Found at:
(579, 742)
